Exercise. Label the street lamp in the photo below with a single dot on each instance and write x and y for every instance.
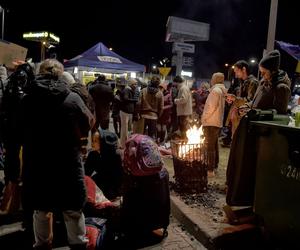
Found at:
(3, 13)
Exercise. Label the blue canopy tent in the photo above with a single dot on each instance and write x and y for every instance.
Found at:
(100, 58)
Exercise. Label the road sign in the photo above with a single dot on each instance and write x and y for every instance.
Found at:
(180, 29)
(184, 47)
(164, 70)
(188, 61)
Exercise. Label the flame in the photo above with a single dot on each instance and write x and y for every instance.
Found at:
(195, 136)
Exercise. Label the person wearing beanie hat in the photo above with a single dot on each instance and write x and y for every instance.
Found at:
(212, 120)
(271, 61)
(274, 90)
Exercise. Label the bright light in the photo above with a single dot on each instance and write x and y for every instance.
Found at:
(54, 37)
(35, 34)
(75, 70)
(252, 61)
(154, 66)
(110, 48)
(187, 73)
(133, 74)
(226, 64)
(232, 66)
(195, 136)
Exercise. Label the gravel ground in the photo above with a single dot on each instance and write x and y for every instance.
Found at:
(210, 203)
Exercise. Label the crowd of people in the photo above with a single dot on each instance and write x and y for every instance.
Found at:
(50, 117)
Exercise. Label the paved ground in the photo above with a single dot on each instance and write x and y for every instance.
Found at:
(178, 239)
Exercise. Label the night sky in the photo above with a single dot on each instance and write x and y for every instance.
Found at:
(136, 29)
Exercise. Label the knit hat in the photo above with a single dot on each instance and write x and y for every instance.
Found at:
(217, 78)
(67, 78)
(271, 61)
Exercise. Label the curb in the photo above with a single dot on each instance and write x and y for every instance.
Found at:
(214, 236)
(193, 225)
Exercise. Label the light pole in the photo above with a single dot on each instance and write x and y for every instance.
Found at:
(3, 13)
(272, 25)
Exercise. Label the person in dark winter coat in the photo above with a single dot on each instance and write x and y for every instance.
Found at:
(274, 90)
(127, 108)
(54, 120)
(103, 96)
(83, 92)
(116, 106)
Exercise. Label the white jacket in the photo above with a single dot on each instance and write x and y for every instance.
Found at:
(184, 101)
(213, 112)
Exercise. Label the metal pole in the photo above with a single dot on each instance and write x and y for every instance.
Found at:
(179, 59)
(42, 51)
(272, 25)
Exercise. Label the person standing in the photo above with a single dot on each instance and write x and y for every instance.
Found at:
(53, 123)
(103, 96)
(184, 106)
(151, 104)
(212, 120)
(274, 90)
(165, 119)
(127, 108)
(115, 114)
(245, 93)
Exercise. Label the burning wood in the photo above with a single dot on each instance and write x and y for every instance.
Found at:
(190, 163)
(191, 150)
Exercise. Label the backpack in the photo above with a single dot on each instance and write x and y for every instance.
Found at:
(95, 232)
(142, 156)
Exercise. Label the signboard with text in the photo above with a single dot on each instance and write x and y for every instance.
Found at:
(184, 47)
(186, 61)
(11, 52)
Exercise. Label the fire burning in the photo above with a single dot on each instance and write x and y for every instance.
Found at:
(190, 162)
(193, 145)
